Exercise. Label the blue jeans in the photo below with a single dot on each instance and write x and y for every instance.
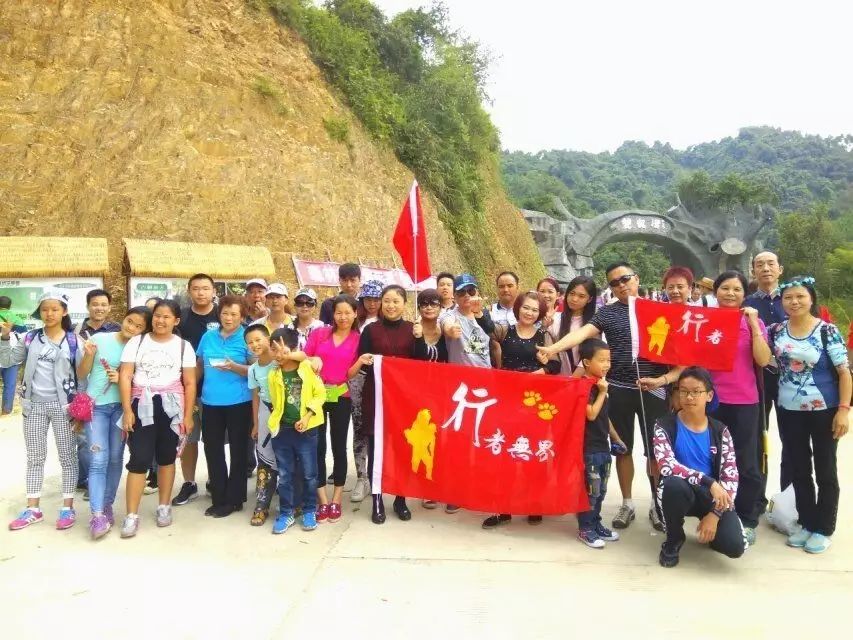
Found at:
(106, 454)
(596, 472)
(10, 379)
(289, 445)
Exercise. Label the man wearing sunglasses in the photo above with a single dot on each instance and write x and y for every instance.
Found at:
(467, 340)
(631, 396)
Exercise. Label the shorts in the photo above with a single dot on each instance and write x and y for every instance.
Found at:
(625, 406)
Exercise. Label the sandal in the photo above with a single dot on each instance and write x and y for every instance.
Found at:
(259, 517)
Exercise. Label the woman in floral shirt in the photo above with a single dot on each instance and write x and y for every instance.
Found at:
(813, 408)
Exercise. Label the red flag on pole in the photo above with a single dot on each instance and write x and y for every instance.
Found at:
(410, 237)
(682, 335)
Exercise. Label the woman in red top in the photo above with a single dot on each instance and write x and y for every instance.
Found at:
(388, 336)
(337, 348)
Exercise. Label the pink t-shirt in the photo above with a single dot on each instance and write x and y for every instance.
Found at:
(336, 359)
(739, 386)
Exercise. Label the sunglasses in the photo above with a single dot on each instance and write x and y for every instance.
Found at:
(622, 280)
(429, 303)
(305, 303)
(468, 291)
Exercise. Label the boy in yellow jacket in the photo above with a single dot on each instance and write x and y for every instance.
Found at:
(297, 395)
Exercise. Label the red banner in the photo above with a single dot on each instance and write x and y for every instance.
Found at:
(484, 439)
(682, 335)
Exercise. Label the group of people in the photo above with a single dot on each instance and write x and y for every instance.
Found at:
(276, 383)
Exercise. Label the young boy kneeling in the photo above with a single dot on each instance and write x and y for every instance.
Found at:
(297, 395)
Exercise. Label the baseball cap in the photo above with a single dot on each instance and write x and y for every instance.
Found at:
(277, 289)
(258, 281)
(464, 280)
(307, 292)
(51, 294)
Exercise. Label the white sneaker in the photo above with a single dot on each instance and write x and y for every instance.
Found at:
(130, 526)
(164, 515)
(657, 525)
(360, 491)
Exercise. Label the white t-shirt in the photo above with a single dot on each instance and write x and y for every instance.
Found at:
(157, 363)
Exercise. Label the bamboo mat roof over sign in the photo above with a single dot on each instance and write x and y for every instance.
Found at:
(156, 258)
(45, 257)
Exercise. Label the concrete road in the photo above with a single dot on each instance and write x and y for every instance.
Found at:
(437, 576)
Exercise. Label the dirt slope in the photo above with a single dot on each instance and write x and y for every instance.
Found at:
(197, 120)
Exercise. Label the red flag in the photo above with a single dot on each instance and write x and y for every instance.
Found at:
(682, 335)
(485, 439)
(410, 237)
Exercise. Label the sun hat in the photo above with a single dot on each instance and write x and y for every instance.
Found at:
(276, 289)
(371, 289)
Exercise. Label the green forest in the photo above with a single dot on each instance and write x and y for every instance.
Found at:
(806, 180)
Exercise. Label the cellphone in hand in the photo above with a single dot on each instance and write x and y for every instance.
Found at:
(618, 449)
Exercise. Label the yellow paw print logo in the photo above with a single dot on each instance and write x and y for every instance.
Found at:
(547, 411)
(531, 398)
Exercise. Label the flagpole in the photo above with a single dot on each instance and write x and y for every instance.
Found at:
(414, 219)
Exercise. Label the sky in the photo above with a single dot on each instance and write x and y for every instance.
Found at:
(589, 74)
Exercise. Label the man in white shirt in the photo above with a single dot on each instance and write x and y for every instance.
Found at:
(501, 311)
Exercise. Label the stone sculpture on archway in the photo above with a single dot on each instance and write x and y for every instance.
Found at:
(708, 242)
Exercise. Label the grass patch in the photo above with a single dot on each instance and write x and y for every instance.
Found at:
(338, 130)
(268, 90)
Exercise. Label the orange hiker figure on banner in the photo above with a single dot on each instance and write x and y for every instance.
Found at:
(421, 435)
(658, 332)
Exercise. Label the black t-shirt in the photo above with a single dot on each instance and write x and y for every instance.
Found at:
(193, 326)
(614, 322)
(597, 435)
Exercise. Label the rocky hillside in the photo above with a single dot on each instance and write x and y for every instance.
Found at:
(200, 120)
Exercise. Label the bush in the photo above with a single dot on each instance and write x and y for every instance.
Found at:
(338, 130)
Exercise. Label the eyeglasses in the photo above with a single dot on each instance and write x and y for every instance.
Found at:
(305, 303)
(429, 303)
(621, 280)
(468, 291)
(687, 393)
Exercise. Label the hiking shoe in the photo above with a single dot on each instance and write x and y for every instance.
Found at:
(27, 517)
(283, 523)
(798, 540)
(624, 516)
(817, 543)
(669, 553)
(322, 513)
(590, 538)
(164, 515)
(334, 512)
(657, 525)
(99, 526)
(750, 535)
(360, 491)
(86, 494)
(109, 515)
(606, 534)
(130, 526)
(534, 519)
(429, 504)
(189, 491)
(451, 508)
(309, 521)
(259, 517)
(67, 518)
(493, 521)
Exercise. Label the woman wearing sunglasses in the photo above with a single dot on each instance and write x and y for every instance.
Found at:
(429, 342)
(305, 322)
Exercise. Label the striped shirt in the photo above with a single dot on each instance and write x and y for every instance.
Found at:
(614, 322)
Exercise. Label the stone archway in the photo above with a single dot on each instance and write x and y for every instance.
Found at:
(708, 242)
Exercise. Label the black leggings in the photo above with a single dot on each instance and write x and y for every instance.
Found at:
(337, 419)
(807, 436)
(152, 442)
(371, 443)
(743, 421)
(227, 486)
(680, 499)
